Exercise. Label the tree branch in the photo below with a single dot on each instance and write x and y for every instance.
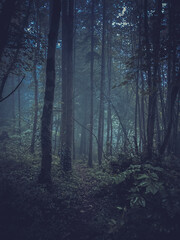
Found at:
(2, 99)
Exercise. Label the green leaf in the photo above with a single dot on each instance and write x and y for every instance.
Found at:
(137, 201)
(133, 201)
(143, 184)
(142, 176)
(152, 188)
(154, 176)
(142, 202)
(119, 208)
(112, 221)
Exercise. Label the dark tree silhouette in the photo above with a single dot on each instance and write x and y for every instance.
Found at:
(46, 122)
(67, 84)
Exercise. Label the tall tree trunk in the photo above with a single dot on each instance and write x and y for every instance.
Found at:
(136, 114)
(109, 71)
(161, 96)
(67, 84)
(118, 137)
(152, 81)
(174, 93)
(57, 125)
(46, 121)
(90, 162)
(13, 107)
(148, 63)
(172, 45)
(19, 115)
(174, 84)
(35, 86)
(143, 113)
(74, 72)
(169, 61)
(176, 131)
(102, 87)
(158, 127)
(35, 109)
(83, 142)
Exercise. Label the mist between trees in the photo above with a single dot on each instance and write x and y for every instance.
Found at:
(90, 81)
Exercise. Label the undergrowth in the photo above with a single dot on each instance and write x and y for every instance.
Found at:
(116, 201)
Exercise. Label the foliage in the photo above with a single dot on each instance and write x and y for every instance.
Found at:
(140, 202)
(146, 195)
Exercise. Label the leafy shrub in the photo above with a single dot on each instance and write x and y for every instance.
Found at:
(148, 197)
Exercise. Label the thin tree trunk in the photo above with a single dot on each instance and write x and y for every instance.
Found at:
(83, 143)
(90, 162)
(102, 87)
(148, 63)
(162, 104)
(74, 72)
(143, 112)
(109, 70)
(35, 85)
(177, 117)
(158, 127)
(19, 115)
(35, 110)
(118, 137)
(13, 107)
(55, 136)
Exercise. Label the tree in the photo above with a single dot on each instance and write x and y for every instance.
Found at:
(36, 52)
(152, 78)
(109, 73)
(46, 121)
(173, 86)
(8, 10)
(102, 87)
(90, 163)
(67, 84)
(12, 24)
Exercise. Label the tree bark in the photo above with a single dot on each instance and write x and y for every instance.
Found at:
(90, 162)
(174, 93)
(19, 115)
(46, 121)
(67, 84)
(102, 87)
(35, 87)
(109, 71)
(152, 81)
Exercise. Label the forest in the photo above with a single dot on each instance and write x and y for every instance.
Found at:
(89, 119)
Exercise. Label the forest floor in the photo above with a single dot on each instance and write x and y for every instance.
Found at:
(87, 204)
